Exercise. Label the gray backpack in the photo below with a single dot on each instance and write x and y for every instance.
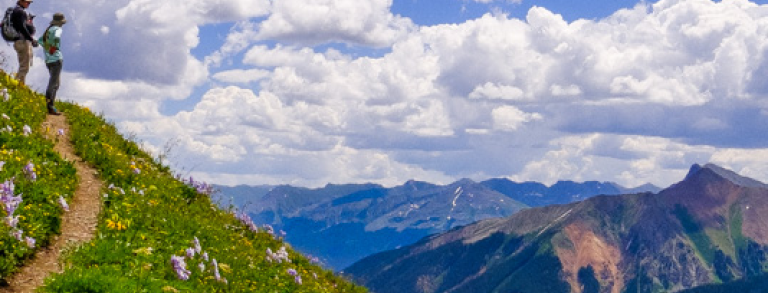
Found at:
(9, 33)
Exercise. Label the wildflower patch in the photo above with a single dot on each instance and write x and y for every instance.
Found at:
(34, 179)
(161, 233)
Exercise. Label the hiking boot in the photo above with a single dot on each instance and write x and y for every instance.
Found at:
(53, 111)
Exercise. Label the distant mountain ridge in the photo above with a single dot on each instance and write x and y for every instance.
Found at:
(536, 194)
(341, 224)
(706, 229)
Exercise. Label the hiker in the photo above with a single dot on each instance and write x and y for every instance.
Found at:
(54, 60)
(22, 23)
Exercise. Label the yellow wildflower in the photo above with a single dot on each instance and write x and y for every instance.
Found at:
(144, 251)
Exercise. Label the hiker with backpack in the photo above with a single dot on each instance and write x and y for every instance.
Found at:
(54, 60)
(23, 25)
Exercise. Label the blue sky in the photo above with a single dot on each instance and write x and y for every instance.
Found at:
(310, 92)
(431, 12)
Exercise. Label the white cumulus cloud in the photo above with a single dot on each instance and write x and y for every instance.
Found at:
(320, 21)
(310, 92)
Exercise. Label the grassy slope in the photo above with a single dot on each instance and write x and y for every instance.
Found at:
(39, 214)
(758, 284)
(148, 216)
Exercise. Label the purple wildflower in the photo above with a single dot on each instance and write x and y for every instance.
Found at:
(190, 253)
(205, 256)
(279, 257)
(12, 221)
(6, 188)
(63, 203)
(30, 241)
(198, 249)
(180, 267)
(216, 270)
(60, 132)
(246, 220)
(298, 279)
(313, 259)
(6, 117)
(201, 266)
(27, 130)
(292, 272)
(199, 186)
(11, 203)
(270, 230)
(17, 234)
(29, 170)
(204, 188)
(2, 163)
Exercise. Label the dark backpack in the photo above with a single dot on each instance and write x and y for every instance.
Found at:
(9, 33)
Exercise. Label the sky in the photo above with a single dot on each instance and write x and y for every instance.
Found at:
(311, 92)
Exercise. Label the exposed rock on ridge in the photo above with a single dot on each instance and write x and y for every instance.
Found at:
(710, 227)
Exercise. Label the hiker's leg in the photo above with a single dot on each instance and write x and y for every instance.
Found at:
(23, 50)
(54, 68)
(31, 54)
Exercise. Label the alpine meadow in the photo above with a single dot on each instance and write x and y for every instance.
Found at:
(384, 146)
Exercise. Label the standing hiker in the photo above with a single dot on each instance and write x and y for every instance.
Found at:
(22, 23)
(54, 60)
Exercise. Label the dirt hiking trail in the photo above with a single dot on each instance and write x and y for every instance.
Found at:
(78, 225)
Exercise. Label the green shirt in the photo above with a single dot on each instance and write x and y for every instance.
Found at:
(54, 40)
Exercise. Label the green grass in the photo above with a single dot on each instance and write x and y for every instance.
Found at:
(39, 214)
(696, 234)
(736, 222)
(721, 239)
(148, 216)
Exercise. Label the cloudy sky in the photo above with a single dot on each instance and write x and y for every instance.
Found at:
(309, 92)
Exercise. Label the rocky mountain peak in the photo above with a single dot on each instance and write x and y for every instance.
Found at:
(708, 228)
(464, 182)
(693, 171)
(696, 171)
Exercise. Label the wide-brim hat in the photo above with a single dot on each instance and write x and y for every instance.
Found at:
(58, 19)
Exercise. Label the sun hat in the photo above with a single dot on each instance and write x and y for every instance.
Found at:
(58, 19)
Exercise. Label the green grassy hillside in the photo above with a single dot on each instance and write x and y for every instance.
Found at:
(157, 232)
(758, 284)
(32, 175)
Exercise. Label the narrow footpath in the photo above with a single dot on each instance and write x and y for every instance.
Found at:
(78, 225)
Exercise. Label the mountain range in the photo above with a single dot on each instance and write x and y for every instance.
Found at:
(709, 228)
(341, 224)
